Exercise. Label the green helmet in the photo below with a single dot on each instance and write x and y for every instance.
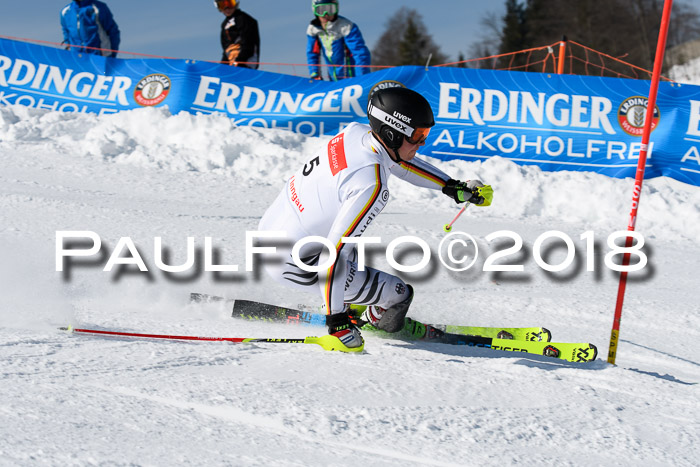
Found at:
(324, 7)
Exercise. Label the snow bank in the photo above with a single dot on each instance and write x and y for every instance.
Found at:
(688, 73)
(153, 138)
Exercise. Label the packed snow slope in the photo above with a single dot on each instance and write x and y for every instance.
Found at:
(72, 400)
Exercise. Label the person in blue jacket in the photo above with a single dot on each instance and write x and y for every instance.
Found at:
(89, 23)
(338, 39)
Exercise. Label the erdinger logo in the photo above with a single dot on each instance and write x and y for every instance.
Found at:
(152, 90)
(384, 85)
(632, 113)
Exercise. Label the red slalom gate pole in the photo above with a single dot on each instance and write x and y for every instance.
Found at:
(641, 165)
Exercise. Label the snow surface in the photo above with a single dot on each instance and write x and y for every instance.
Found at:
(687, 73)
(72, 400)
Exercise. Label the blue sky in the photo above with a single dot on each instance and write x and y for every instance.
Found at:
(190, 28)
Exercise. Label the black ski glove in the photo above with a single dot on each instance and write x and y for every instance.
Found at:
(473, 191)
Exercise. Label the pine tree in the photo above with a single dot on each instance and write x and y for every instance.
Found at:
(619, 28)
(514, 33)
(412, 45)
(406, 41)
(460, 61)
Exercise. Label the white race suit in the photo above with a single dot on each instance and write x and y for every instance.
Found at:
(337, 194)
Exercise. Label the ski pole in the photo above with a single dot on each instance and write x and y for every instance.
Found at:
(448, 227)
(327, 342)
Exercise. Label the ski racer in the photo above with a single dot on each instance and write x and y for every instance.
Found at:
(338, 192)
(240, 38)
(89, 23)
(338, 39)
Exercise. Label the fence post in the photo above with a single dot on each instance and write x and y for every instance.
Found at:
(562, 55)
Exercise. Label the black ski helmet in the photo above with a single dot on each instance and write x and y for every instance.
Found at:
(396, 113)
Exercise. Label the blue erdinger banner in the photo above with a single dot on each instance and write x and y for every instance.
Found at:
(558, 122)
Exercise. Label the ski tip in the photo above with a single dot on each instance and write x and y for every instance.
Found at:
(547, 335)
(595, 352)
(332, 343)
(68, 328)
(585, 355)
(575, 353)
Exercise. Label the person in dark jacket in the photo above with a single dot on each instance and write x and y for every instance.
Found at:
(89, 23)
(240, 38)
(338, 39)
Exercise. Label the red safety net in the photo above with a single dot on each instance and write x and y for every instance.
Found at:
(566, 57)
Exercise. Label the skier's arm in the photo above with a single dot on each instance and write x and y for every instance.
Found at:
(313, 54)
(111, 28)
(223, 38)
(357, 47)
(421, 173)
(244, 48)
(364, 195)
(64, 27)
(424, 174)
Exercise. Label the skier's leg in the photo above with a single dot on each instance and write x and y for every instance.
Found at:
(289, 274)
(391, 319)
(280, 265)
(386, 296)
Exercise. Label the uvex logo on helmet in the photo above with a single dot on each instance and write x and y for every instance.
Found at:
(402, 117)
(396, 124)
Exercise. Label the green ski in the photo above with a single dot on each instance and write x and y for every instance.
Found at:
(536, 339)
(569, 351)
(252, 310)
